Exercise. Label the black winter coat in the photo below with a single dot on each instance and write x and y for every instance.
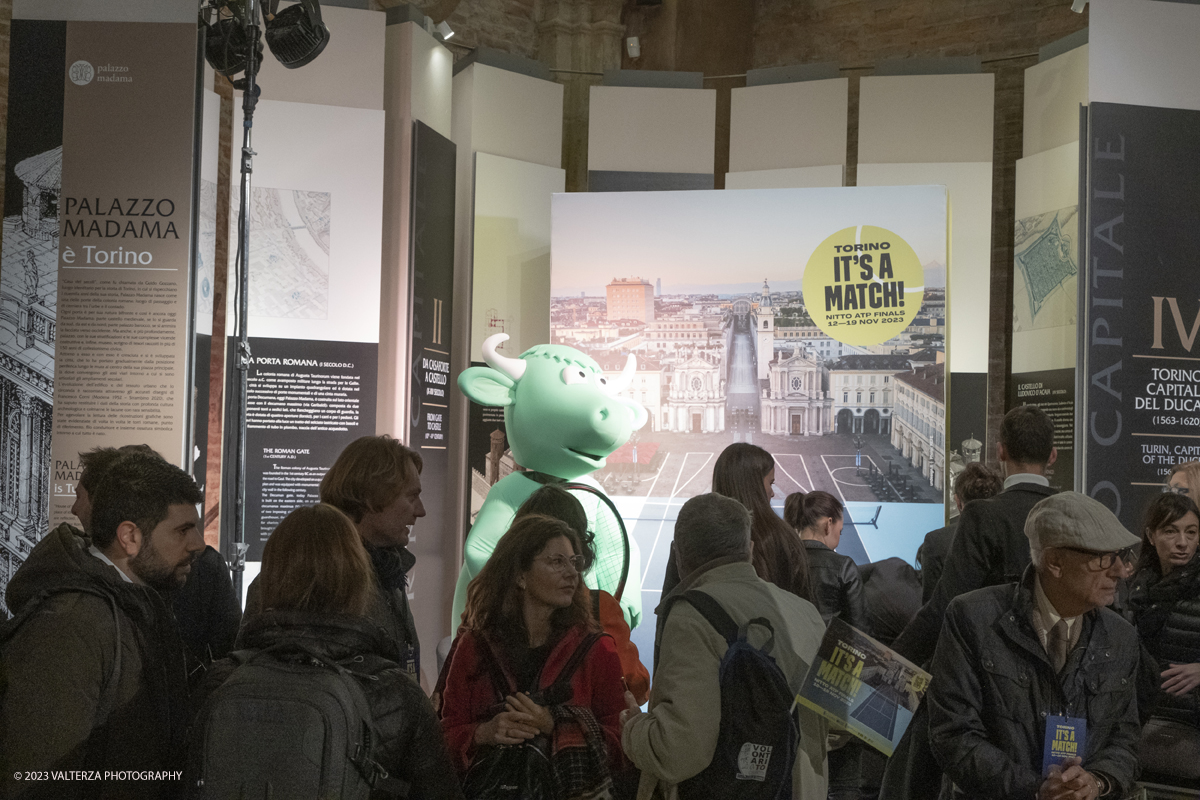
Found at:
(389, 607)
(993, 686)
(411, 746)
(837, 587)
(1166, 612)
(932, 557)
(207, 609)
(892, 593)
(87, 640)
(990, 548)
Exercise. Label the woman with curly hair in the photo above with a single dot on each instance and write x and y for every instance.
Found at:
(531, 665)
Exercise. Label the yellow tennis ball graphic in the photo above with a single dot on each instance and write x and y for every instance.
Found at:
(863, 285)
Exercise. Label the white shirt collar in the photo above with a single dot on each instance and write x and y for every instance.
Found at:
(1026, 477)
(98, 554)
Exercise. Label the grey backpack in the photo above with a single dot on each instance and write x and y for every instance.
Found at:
(288, 723)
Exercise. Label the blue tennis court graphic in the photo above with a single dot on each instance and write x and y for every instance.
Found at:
(878, 713)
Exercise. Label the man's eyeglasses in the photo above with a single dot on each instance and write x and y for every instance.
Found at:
(561, 563)
(1103, 561)
(1169, 489)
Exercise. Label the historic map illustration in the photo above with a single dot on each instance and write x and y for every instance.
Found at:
(289, 253)
(1047, 258)
(207, 253)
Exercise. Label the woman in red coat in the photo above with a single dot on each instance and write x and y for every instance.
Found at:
(527, 616)
(555, 501)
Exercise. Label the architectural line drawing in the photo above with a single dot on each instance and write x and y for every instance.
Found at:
(289, 253)
(28, 321)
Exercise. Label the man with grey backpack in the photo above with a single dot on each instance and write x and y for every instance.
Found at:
(709, 733)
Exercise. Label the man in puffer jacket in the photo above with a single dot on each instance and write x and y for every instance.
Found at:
(93, 668)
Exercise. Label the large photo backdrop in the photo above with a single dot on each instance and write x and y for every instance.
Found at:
(809, 322)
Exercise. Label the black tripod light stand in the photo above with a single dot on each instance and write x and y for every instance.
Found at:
(233, 44)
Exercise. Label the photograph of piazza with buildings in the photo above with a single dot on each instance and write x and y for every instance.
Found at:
(746, 363)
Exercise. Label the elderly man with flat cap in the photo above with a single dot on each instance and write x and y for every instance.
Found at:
(1011, 657)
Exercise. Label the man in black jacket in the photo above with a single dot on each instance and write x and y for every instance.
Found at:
(990, 545)
(94, 676)
(207, 610)
(976, 482)
(989, 548)
(376, 482)
(1009, 656)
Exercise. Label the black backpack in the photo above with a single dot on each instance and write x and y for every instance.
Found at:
(759, 733)
(286, 727)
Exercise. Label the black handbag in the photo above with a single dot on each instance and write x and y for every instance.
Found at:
(511, 772)
(520, 771)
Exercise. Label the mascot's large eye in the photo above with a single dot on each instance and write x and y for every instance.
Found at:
(573, 375)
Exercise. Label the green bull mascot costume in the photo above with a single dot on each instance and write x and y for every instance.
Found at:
(564, 419)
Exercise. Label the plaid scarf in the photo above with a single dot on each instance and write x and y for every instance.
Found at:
(578, 756)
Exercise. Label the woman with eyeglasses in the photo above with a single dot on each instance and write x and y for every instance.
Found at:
(1184, 479)
(555, 501)
(533, 680)
(1164, 605)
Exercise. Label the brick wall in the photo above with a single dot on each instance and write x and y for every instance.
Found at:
(506, 25)
(1006, 34)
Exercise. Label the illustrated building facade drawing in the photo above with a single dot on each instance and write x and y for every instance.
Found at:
(28, 303)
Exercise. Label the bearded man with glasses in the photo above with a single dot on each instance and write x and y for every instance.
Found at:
(1010, 659)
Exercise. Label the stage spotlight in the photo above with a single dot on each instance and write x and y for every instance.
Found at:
(444, 31)
(296, 35)
(226, 44)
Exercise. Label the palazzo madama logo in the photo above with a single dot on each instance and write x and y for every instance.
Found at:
(81, 73)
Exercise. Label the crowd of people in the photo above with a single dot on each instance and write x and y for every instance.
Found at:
(130, 671)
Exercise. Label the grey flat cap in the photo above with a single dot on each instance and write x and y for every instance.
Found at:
(1071, 519)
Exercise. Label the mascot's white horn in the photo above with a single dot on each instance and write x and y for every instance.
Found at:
(512, 367)
(622, 383)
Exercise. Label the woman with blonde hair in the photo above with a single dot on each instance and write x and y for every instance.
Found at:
(532, 675)
(1185, 479)
(316, 587)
